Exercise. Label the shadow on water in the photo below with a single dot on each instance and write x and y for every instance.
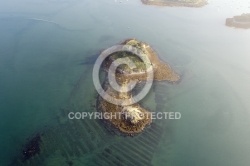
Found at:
(90, 60)
(106, 39)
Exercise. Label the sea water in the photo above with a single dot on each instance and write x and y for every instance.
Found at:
(47, 51)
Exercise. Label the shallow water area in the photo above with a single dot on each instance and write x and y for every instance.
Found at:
(47, 51)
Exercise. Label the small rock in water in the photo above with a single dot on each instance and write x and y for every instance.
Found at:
(32, 147)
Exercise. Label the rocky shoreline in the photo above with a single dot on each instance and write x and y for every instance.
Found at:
(242, 21)
(132, 118)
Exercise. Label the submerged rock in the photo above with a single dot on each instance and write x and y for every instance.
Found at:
(32, 147)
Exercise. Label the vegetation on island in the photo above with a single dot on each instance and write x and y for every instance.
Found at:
(132, 118)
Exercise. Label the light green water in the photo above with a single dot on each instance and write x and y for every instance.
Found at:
(43, 75)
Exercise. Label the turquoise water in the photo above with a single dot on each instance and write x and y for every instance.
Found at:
(46, 50)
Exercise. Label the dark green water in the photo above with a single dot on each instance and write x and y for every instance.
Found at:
(46, 50)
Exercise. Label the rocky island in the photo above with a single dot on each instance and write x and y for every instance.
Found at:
(242, 21)
(183, 3)
(131, 118)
